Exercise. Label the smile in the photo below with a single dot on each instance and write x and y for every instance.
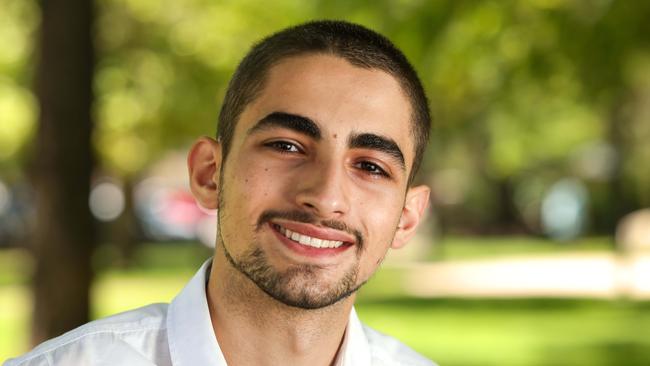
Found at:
(307, 240)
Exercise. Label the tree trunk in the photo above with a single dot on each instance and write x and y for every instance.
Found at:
(508, 220)
(125, 231)
(64, 236)
(619, 199)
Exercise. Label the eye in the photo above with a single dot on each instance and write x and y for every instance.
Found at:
(283, 146)
(372, 168)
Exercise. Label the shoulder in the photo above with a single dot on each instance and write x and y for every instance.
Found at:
(387, 350)
(124, 330)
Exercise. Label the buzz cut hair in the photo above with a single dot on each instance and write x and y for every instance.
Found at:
(357, 44)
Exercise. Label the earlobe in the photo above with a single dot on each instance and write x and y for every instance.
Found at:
(204, 166)
(415, 206)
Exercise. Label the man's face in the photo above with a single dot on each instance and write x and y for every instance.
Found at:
(313, 188)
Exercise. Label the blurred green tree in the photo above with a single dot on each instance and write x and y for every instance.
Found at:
(63, 236)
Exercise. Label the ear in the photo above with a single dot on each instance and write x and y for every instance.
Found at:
(204, 166)
(415, 206)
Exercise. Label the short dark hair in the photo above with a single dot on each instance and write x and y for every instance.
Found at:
(358, 45)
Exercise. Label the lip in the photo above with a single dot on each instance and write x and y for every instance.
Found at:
(317, 231)
(306, 250)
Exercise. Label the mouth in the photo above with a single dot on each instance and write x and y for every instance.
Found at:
(315, 244)
(307, 240)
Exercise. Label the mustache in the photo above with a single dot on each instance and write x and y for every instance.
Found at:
(308, 218)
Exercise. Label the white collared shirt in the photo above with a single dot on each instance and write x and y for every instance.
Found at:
(181, 334)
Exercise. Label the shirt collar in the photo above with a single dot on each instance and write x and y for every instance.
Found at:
(192, 340)
(190, 333)
(355, 349)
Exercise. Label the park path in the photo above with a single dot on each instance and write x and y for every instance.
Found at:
(592, 275)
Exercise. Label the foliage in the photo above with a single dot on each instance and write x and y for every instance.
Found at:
(524, 93)
(18, 21)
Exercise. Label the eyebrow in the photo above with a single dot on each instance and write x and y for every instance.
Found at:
(308, 127)
(294, 122)
(380, 143)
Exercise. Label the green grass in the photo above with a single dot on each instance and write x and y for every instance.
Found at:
(462, 248)
(451, 331)
(517, 332)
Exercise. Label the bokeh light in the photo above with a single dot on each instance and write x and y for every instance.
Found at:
(106, 201)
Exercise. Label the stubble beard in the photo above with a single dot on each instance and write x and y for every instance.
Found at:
(298, 286)
(301, 285)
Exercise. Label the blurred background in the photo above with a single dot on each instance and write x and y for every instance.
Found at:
(536, 250)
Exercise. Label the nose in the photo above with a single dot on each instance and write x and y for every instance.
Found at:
(322, 189)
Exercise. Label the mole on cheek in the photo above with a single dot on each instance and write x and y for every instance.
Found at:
(335, 135)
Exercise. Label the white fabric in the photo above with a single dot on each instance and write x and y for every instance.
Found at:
(181, 334)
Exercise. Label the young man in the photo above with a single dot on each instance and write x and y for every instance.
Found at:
(321, 132)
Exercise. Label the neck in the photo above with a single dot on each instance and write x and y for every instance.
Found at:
(254, 329)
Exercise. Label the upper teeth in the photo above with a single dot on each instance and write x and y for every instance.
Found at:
(308, 240)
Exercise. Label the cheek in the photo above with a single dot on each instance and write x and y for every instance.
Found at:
(246, 194)
(382, 212)
(251, 187)
(382, 219)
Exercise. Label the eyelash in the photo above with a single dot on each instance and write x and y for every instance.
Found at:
(276, 146)
(367, 166)
(379, 171)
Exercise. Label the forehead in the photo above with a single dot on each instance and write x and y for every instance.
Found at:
(340, 97)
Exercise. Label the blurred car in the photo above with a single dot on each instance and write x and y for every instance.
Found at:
(169, 212)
